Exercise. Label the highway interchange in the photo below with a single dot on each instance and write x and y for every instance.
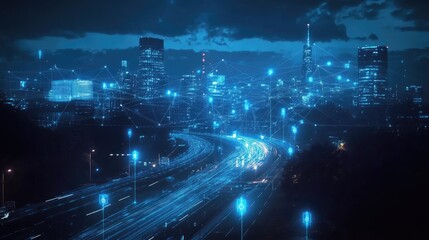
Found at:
(193, 198)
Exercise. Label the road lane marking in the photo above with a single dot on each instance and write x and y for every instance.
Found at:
(150, 185)
(34, 237)
(65, 196)
(96, 211)
(183, 217)
(123, 198)
(39, 223)
(226, 235)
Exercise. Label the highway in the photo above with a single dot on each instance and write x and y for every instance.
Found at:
(193, 198)
(58, 216)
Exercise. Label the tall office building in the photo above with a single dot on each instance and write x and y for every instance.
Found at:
(372, 76)
(307, 60)
(151, 72)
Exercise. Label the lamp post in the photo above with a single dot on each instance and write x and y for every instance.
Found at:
(283, 114)
(270, 74)
(241, 206)
(135, 156)
(103, 200)
(90, 164)
(306, 220)
(130, 133)
(2, 180)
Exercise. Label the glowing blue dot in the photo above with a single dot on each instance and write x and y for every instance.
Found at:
(310, 79)
(290, 150)
(130, 132)
(241, 206)
(328, 63)
(283, 112)
(103, 199)
(306, 218)
(135, 156)
(104, 85)
(210, 100)
(233, 111)
(294, 129)
(168, 92)
(270, 72)
(301, 121)
(339, 77)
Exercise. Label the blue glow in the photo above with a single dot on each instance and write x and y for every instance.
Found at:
(210, 100)
(270, 72)
(290, 150)
(234, 134)
(339, 77)
(301, 121)
(246, 105)
(233, 111)
(241, 206)
(135, 156)
(262, 137)
(39, 53)
(130, 133)
(310, 79)
(294, 130)
(104, 85)
(198, 71)
(175, 94)
(347, 65)
(168, 92)
(328, 63)
(283, 112)
(306, 218)
(97, 169)
(22, 84)
(103, 199)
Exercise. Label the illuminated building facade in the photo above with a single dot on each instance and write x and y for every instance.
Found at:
(68, 90)
(372, 76)
(151, 71)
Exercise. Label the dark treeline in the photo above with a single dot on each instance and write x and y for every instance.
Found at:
(375, 188)
(47, 162)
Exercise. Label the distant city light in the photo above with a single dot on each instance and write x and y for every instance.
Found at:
(233, 111)
(283, 112)
(301, 121)
(168, 92)
(310, 79)
(262, 137)
(328, 63)
(290, 150)
(210, 99)
(294, 129)
(339, 77)
(39, 54)
(130, 133)
(270, 72)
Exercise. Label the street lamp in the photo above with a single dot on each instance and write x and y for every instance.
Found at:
(90, 164)
(270, 74)
(130, 133)
(241, 206)
(306, 220)
(135, 156)
(283, 114)
(103, 200)
(9, 170)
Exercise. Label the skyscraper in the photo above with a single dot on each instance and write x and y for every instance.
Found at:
(372, 76)
(151, 72)
(307, 60)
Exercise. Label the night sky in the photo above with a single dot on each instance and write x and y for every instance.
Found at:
(258, 33)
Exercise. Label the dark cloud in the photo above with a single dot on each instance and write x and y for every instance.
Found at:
(373, 37)
(415, 11)
(366, 10)
(270, 20)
